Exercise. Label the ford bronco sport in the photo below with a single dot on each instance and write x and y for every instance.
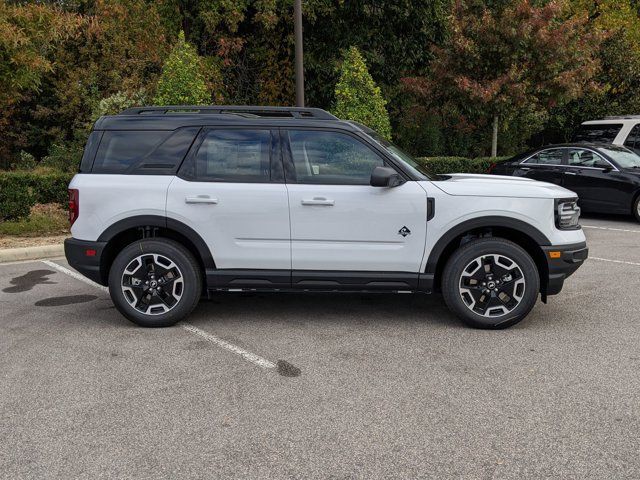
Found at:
(174, 202)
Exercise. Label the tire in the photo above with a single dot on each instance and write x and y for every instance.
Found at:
(515, 285)
(139, 279)
(636, 208)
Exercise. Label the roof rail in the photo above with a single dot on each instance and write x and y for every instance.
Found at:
(280, 112)
(622, 117)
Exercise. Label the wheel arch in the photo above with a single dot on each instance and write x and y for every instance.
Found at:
(128, 230)
(523, 234)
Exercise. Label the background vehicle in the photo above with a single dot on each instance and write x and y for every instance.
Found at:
(618, 130)
(174, 201)
(605, 177)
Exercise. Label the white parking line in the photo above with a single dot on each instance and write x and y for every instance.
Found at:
(250, 357)
(614, 261)
(75, 275)
(612, 229)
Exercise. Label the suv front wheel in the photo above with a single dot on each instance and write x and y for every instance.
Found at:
(490, 283)
(155, 282)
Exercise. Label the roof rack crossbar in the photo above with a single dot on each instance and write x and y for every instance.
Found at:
(258, 111)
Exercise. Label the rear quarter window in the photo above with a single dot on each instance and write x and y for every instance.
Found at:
(142, 152)
(119, 150)
(603, 132)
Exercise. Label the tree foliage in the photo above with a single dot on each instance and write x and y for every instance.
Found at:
(182, 81)
(358, 97)
(63, 62)
(520, 59)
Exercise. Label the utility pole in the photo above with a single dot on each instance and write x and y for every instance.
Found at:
(297, 29)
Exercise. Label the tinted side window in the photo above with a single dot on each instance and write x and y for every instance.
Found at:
(233, 155)
(547, 157)
(166, 158)
(119, 150)
(605, 133)
(90, 151)
(331, 158)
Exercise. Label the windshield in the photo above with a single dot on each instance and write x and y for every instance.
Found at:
(623, 157)
(396, 152)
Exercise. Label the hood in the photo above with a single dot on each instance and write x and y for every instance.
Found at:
(468, 184)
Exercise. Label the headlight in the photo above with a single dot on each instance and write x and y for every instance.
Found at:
(567, 213)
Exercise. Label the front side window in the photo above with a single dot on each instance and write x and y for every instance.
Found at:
(233, 155)
(547, 157)
(332, 158)
(586, 158)
(602, 132)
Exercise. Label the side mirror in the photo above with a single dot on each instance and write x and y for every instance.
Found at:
(605, 168)
(385, 177)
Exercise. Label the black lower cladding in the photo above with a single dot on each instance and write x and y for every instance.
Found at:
(225, 279)
(84, 256)
(564, 265)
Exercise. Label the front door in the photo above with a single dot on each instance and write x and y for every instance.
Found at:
(599, 186)
(338, 221)
(231, 191)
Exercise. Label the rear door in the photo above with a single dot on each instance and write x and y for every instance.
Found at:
(231, 191)
(339, 222)
(545, 166)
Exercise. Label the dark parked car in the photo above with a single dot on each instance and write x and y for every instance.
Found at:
(606, 177)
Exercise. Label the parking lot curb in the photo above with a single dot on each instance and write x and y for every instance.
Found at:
(31, 253)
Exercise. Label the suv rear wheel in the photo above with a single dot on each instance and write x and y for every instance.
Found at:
(490, 283)
(155, 282)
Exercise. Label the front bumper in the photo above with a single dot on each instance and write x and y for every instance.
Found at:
(85, 257)
(562, 262)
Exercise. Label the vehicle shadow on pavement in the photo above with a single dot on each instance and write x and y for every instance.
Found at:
(342, 307)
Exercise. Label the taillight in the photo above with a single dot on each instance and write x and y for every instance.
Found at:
(491, 167)
(74, 205)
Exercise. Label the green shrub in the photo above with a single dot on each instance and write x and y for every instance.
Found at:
(182, 81)
(16, 195)
(441, 165)
(358, 98)
(19, 191)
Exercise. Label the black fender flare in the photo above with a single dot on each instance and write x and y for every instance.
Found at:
(162, 222)
(482, 222)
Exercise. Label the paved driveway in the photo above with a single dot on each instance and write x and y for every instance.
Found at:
(323, 386)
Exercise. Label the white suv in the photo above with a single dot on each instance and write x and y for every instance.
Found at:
(619, 130)
(171, 202)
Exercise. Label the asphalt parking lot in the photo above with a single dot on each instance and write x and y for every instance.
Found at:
(324, 386)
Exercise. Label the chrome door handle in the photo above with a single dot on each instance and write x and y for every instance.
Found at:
(570, 173)
(319, 201)
(525, 168)
(201, 199)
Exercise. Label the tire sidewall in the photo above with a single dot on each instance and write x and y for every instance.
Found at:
(476, 248)
(192, 287)
(634, 209)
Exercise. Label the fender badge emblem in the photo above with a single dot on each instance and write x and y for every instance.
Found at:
(404, 231)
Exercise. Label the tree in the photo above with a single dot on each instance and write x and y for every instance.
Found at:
(358, 97)
(182, 81)
(620, 63)
(517, 58)
(28, 35)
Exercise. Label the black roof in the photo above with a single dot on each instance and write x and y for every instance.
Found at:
(175, 116)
